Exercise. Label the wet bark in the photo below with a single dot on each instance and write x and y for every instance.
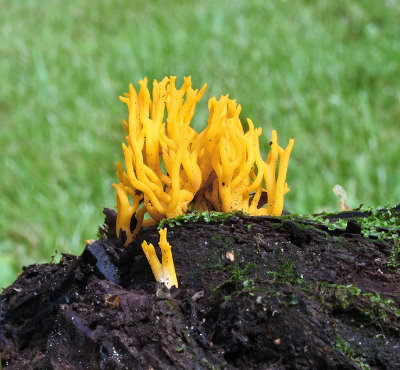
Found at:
(254, 292)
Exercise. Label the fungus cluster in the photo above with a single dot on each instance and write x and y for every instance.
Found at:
(171, 169)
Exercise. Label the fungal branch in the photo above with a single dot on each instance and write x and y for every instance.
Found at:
(170, 168)
(164, 271)
(161, 194)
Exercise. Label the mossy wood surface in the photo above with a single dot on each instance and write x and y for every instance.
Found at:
(254, 292)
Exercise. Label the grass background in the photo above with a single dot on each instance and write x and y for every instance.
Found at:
(324, 72)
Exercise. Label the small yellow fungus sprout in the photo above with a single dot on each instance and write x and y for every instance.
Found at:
(164, 271)
(339, 191)
(171, 168)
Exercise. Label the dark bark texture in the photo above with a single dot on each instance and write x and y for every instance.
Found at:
(254, 292)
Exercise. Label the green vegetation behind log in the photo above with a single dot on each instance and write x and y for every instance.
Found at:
(325, 72)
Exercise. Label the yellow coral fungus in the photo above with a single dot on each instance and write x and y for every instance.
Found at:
(164, 271)
(235, 176)
(170, 167)
(163, 193)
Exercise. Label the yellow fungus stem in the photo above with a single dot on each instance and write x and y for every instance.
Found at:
(163, 272)
(280, 183)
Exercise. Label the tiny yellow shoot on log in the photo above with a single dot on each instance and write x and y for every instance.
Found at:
(164, 271)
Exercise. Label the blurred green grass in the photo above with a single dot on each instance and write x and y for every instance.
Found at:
(324, 72)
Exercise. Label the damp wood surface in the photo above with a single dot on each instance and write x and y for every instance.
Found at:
(254, 292)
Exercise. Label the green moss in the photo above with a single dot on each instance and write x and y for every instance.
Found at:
(342, 296)
(194, 216)
(181, 348)
(249, 226)
(240, 277)
(291, 300)
(346, 297)
(344, 347)
(383, 222)
(380, 307)
(249, 286)
(209, 365)
(222, 241)
(394, 259)
(239, 273)
(286, 273)
(169, 304)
